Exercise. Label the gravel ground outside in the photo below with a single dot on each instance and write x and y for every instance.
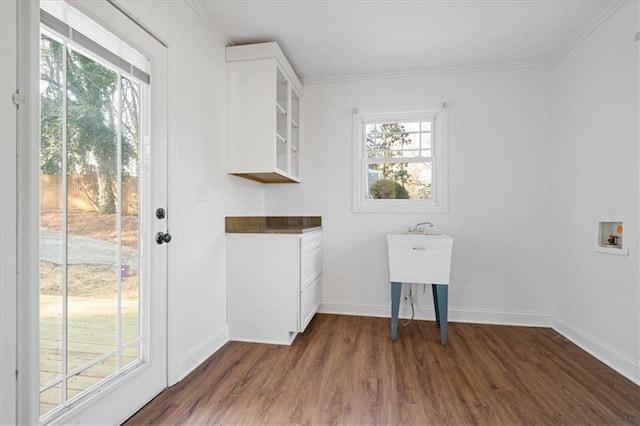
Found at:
(91, 253)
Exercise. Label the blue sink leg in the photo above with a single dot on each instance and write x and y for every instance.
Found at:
(396, 290)
(440, 302)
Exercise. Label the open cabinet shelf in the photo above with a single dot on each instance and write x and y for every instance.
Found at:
(264, 105)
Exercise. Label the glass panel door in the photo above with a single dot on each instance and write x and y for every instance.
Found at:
(92, 122)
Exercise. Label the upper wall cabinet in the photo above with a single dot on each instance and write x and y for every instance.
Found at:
(264, 96)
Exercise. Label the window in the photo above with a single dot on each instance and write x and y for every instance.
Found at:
(400, 161)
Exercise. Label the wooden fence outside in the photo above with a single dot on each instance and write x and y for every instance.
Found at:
(51, 193)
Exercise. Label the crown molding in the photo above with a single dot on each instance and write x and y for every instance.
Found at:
(204, 14)
(426, 72)
(588, 29)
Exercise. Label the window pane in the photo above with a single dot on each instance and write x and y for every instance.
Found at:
(409, 127)
(397, 140)
(426, 144)
(399, 181)
(51, 218)
(130, 223)
(92, 249)
(375, 146)
(373, 129)
(50, 399)
(130, 354)
(91, 376)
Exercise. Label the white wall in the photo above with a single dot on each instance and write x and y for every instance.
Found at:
(499, 126)
(595, 177)
(197, 159)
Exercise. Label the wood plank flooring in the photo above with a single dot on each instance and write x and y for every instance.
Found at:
(346, 370)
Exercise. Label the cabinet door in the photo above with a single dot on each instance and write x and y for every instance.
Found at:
(309, 302)
(311, 241)
(311, 267)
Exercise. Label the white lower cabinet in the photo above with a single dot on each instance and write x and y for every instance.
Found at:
(274, 285)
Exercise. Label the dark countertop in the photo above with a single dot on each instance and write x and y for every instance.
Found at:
(271, 224)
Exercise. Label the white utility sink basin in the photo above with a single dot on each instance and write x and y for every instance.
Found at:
(419, 258)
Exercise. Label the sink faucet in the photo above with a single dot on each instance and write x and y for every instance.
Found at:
(419, 227)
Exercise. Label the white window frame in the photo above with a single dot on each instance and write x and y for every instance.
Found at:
(439, 160)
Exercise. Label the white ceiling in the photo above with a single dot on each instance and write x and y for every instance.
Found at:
(327, 40)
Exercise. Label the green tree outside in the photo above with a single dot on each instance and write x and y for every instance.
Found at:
(93, 101)
(387, 141)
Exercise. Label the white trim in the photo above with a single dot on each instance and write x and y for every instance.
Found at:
(440, 158)
(426, 72)
(285, 342)
(173, 291)
(270, 50)
(624, 251)
(478, 316)
(206, 17)
(200, 352)
(97, 391)
(587, 30)
(28, 212)
(8, 219)
(623, 364)
(638, 159)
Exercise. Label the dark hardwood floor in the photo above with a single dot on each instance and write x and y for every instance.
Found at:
(346, 370)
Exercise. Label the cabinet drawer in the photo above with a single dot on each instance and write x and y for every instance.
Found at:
(310, 242)
(309, 302)
(311, 267)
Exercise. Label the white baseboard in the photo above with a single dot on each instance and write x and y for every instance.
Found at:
(199, 353)
(480, 316)
(623, 364)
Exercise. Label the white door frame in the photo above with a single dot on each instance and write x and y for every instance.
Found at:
(27, 212)
(28, 233)
(8, 226)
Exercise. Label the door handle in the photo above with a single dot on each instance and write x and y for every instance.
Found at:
(162, 238)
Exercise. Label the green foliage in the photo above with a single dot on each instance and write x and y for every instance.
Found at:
(93, 107)
(50, 108)
(388, 189)
(387, 141)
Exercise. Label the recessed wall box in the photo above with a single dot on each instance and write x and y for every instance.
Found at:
(611, 238)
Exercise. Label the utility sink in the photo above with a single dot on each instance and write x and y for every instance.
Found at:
(419, 258)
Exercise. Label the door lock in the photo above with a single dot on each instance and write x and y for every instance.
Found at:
(160, 213)
(162, 238)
